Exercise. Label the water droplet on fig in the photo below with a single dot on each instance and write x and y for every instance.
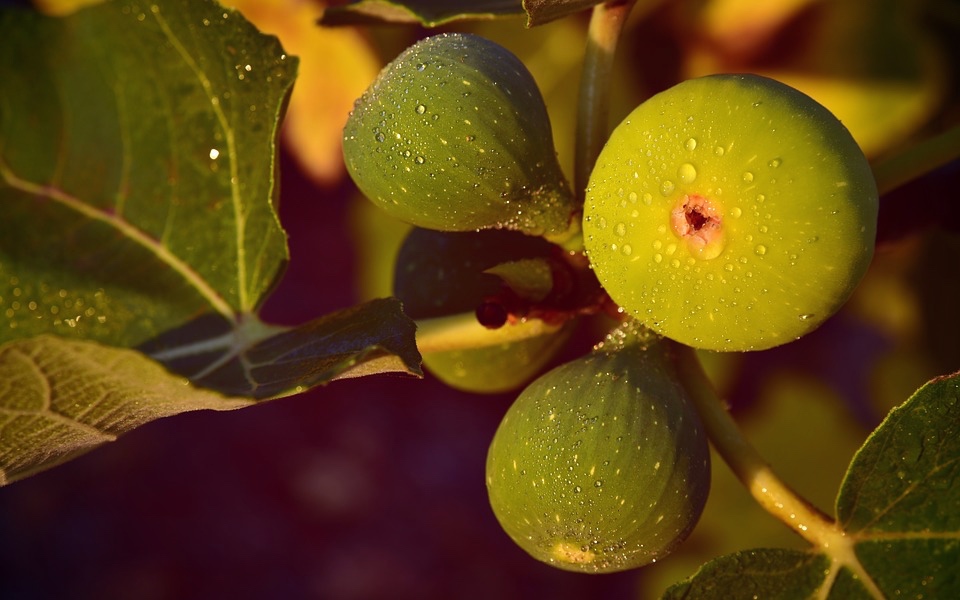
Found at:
(421, 109)
(687, 173)
(719, 151)
(418, 160)
(620, 229)
(760, 250)
(735, 212)
(748, 176)
(774, 163)
(627, 250)
(632, 197)
(691, 144)
(666, 188)
(647, 198)
(657, 258)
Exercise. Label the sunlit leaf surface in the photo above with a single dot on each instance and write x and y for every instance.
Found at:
(136, 168)
(138, 184)
(60, 398)
(429, 13)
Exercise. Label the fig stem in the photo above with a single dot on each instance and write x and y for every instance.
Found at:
(463, 332)
(770, 492)
(603, 34)
(917, 160)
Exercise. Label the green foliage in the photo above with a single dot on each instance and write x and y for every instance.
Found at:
(138, 180)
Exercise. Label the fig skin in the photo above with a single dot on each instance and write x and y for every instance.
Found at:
(602, 463)
(453, 135)
(731, 213)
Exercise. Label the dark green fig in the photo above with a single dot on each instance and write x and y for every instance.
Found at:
(453, 135)
(601, 464)
(440, 273)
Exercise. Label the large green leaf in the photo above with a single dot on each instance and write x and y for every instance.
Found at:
(137, 145)
(138, 189)
(899, 512)
(60, 398)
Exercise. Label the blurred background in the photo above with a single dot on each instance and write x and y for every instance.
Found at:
(374, 488)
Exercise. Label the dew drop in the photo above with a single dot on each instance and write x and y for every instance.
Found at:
(666, 188)
(773, 164)
(735, 212)
(598, 483)
(657, 258)
(691, 144)
(675, 263)
(620, 229)
(647, 198)
(761, 197)
(748, 176)
(379, 136)
(632, 197)
(421, 109)
(806, 316)
(763, 229)
(687, 173)
(719, 151)
(760, 250)
(728, 267)
(627, 250)
(418, 160)
(421, 67)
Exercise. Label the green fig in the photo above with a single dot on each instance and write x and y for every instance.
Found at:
(454, 135)
(442, 273)
(602, 463)
(496, 368)
(731, 212)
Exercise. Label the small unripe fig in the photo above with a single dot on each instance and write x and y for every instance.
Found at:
(453, 135)
(441, 273)
(731, 212)
(601, 464)
(496, 368)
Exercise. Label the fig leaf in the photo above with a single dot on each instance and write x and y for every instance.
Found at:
(897, 506)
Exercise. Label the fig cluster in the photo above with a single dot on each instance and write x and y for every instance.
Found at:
(729, 212)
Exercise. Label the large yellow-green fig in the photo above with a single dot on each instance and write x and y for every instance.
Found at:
(731, 212)
(602, 463)
(453, 135)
